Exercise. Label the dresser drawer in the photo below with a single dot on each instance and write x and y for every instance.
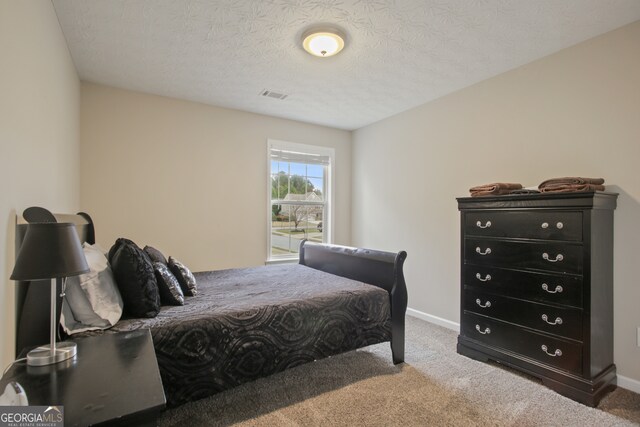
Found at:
(547, 225)
(549, 288)
(565, 322)
(548, 256)
(555, 352)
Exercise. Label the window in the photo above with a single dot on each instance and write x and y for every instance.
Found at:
(300, 197)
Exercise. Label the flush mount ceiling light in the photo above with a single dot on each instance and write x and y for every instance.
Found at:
(323, 41)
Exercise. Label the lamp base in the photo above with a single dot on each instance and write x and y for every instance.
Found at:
(41, 356)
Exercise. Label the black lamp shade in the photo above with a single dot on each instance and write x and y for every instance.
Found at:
(50, 250)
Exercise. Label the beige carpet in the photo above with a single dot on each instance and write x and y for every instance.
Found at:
(435, 387)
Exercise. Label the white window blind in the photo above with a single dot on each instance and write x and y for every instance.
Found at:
(299, 157)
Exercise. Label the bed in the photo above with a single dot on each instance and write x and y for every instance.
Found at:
(252, 322)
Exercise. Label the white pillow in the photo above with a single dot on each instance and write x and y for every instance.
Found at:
(92, 300)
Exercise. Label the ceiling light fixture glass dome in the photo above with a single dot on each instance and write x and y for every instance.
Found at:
(323, 42)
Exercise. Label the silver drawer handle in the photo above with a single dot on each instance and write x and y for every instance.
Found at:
(546, 288)
(558, 320)
(558, 352)
(487, 305)
(545, 256)
(485, 332)
(559, 225)
(486, 278)
(487, 225)
(487, 252)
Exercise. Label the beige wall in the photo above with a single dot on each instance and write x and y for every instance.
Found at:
(39, 132)
(188, 178)
(575, 113)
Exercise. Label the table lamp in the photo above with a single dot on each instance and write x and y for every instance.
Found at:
(50, 251)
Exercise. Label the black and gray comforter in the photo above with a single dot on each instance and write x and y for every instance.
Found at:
(252, 322)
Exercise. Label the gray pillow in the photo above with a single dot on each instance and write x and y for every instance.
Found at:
(92, 300)
(170, 290)
(184, 276)
(78, 314)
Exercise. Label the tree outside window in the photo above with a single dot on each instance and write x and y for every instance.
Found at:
(299, 202)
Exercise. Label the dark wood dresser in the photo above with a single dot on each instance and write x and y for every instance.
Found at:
(537, 287)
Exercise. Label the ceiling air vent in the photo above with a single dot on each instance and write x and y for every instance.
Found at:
(272, 94)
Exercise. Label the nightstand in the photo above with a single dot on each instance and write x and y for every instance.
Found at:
(113, 380)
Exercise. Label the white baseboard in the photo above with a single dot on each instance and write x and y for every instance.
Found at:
(623, 382)
(629, 383)
(434, 319)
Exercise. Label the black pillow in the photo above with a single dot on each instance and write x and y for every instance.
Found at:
(155, 255)
(184, 276)
(119, 242)
(135, 278)
(170, 290)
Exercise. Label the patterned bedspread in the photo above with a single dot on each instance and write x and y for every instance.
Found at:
(252, 322)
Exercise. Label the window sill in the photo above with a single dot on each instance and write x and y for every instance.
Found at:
(276, 261)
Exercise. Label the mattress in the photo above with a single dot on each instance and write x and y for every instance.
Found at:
(252, 322)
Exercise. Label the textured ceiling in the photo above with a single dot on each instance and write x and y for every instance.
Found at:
(399, 53)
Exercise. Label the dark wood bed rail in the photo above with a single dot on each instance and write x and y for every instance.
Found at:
(378, 268)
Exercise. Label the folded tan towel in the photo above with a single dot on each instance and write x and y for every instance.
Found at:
(494, 189)
(571, 180)
(570, 188)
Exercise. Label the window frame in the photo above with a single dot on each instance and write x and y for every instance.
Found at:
(329, 193)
